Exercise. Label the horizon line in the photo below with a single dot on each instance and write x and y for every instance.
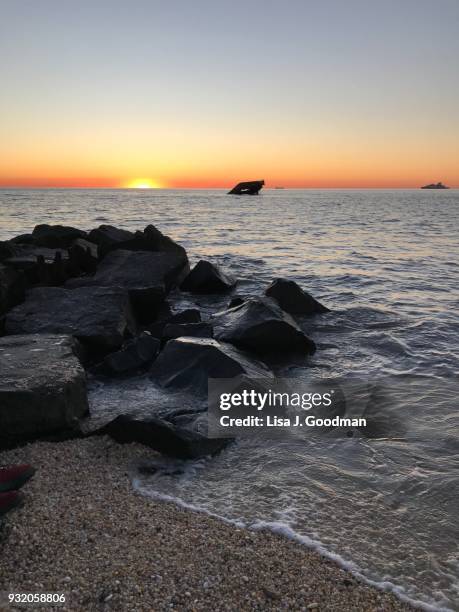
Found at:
(185, 188)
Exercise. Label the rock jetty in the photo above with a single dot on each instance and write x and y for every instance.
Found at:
(104, 302)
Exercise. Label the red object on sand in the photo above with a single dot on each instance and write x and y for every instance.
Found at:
(14, 476)
(9, 500)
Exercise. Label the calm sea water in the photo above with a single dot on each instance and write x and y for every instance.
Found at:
(387, 264)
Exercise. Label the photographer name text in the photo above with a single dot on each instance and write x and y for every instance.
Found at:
(297, 421)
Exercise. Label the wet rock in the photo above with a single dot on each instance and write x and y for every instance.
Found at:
(259, 325)
(135, 356)
(100, 317)
(42, 387)
(192, 330)
(146, 275)
(188, 363)
(106, 236)
(206, 277)
(12, 288)
(184, 441)
(293, 299)
(56, 236)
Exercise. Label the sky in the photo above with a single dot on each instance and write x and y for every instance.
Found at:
(207, 93)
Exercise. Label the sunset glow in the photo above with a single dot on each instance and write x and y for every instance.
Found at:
(211, 109)
(142, 184)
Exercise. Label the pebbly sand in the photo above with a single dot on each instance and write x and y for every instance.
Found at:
(85, 532)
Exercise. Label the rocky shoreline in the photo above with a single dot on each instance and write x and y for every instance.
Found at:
(75, 303)
(100, 302)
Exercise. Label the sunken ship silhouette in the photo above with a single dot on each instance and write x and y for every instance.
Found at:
(247, 188)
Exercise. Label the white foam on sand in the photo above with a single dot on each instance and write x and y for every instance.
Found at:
(286, 530)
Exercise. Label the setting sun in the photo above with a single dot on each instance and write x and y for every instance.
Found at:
(142, 184)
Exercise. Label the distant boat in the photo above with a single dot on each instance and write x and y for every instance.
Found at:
(279, 187)
(435, 186)
(247, 188)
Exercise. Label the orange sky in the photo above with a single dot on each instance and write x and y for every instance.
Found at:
(320, 96)
(101, 156)
(320, 152)
(310, 154)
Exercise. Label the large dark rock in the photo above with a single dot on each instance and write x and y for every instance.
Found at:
(23, 239)
(56, 236)
(84, 254)
(100, 317)
(191, 330)
(150, 239)
(261, 326)
(188, 363)
(106, 236)
(42, 387)
(7, 250)
(135, 356)
(146, 275)
(184, 439)
(140, 269)
(12, 288)
(293, 299)
(206, 277)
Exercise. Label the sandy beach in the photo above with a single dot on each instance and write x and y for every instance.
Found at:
(85, 532)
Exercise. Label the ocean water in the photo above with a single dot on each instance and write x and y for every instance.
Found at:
(387, 265)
